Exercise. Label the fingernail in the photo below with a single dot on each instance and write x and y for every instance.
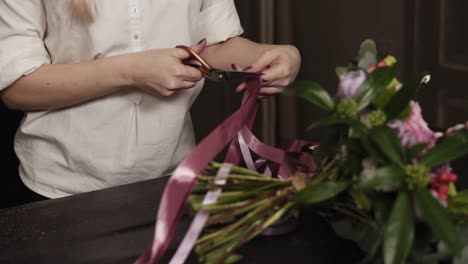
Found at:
(201, 41)
(234, 67)
(248, 68)
(265, 81)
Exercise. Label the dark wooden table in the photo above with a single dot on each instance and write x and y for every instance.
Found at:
(115, 225)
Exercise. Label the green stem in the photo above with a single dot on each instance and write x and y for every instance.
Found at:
(212, 237)
(326, 172)
(228, 197)
(358, 217)
(218, 240)
(217, 256)
(262, 226)
(236, 169)
(219, 207)
(204, 248)
(220, 217)
(238, 177)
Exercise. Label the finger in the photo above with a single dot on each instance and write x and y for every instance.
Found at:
(271, 90)
(193, 63)
(188, 73)
(237, 67)
(180, 54)
(276, 76)
(199, 47)
(263, 62)
(188, 84)
(241, 87)
(182, 85)
(280, 83)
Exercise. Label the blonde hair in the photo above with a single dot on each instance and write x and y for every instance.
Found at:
(83, 10)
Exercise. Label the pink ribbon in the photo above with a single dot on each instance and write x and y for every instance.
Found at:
(199, 220)
(183, 179)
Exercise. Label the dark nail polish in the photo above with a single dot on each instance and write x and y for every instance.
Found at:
(234, 67)
(201, 41)
(248, 68)
(265, 81)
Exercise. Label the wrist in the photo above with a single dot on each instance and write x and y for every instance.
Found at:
(122, 68)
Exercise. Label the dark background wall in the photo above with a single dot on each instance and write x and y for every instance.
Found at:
(329, 33)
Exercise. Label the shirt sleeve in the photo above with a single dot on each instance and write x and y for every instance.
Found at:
(22, 30)
(218, 21)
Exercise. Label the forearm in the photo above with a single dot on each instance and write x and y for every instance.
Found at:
(60, 85)
(236, 50)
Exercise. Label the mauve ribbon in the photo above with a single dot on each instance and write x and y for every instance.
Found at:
(268, 152)
(183, 179)
(199, 221)
(247, 141)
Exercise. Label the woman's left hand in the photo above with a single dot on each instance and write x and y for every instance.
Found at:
(279, 66)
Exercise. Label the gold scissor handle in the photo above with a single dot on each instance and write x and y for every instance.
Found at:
(197, 57)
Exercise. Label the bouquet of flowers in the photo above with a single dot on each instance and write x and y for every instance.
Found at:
(381, 177)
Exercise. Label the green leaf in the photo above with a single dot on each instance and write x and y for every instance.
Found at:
(312, 92)
(375, 83)
(401, 99)
(371, 149)
(327, 121)
(399, 231)
(458, 206)
(463, 258)
(383, 203)
(361, 199)
(329, 146)
(439, 221)
(367, 60)
(382, 99)
(388, 143)
(446, 150)
(316, 193)
(368, 47)
(358, 127)
(405, 114)
(385, 178)
(353, 162)
(334, 120)
(341, 70)
(234, 258)
(361, 233)
(354, 145)
(416, 150)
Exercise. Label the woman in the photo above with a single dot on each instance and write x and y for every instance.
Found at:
(106, 97)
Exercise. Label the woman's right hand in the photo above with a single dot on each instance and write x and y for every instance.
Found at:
(162, 72)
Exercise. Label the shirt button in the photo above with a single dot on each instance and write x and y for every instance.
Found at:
(135, 10)
(136, 36)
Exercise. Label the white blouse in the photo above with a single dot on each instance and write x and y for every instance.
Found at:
(121, 138)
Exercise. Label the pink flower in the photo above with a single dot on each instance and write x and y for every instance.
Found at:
(414, 130)
(350, 83)
(441, 180)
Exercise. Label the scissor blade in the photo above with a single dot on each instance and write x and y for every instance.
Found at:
(240, 75)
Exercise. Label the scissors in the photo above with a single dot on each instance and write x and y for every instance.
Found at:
(216, 74)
